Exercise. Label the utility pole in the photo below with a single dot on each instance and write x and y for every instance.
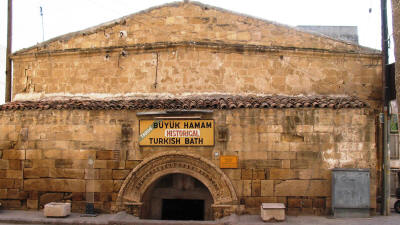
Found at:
(8, 54)
(386, 150)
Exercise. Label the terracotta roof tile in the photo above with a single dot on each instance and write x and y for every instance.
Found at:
(231, 102)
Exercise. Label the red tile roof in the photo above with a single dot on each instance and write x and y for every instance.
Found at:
(206, 102)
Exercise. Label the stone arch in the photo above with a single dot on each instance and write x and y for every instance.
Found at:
(151, 169)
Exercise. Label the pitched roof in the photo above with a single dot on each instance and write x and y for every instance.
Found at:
(157, 27)
(208, 102)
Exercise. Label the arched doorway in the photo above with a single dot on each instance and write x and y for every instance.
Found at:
(177, 197)
(132, 193)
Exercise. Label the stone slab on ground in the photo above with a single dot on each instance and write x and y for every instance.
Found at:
(272, 212)
(54, 209)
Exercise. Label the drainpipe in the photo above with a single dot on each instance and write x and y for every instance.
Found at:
(8, 54)
(386, 153)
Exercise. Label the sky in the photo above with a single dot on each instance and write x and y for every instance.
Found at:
(64, 16)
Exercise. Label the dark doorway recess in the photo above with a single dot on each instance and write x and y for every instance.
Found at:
(177, 196)
(182, 209)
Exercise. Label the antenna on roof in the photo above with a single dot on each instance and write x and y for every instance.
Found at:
(41, 14)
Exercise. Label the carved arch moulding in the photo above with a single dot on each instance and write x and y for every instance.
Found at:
(159, 165)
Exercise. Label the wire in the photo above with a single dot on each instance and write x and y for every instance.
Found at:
(41, 14)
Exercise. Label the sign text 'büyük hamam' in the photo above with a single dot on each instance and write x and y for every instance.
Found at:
(176, 132)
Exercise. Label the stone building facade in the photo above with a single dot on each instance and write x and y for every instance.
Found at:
(288, 105)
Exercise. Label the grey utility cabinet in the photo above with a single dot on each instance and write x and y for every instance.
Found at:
(350, 192)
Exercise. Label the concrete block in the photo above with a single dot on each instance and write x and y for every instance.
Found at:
(272, 212)
(54, 209)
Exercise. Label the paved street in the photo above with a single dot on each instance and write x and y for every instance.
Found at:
(37, 218)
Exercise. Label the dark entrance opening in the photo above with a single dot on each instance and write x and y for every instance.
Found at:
(182, 209)
(177, 196)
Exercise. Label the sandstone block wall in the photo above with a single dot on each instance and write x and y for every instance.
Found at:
(191, 48)
(285, 155)
(190, 70)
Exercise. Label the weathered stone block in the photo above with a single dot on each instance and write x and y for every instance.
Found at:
(272, 212)
(98, 174)
(304, 128)
(131, 164)
(113, 164)
(99, 186)
(77, 196)
(247, 174)
(267, 188)
(54, 209)
(255, 202)
(256, 188)
(307, 203)
(272, 147)
(283, 155)
(285, 164)
(258, 174)
(260, 164)
(14, 154)
(56, 185)
(36, 172)
(301, 146)
(7, 183)
(3, 164)
(14, 194)
(67, 173)
(323, 128)
(3, 193)
(292, 138)
(50, 197)
(252, 155)
(270, 128)
(319, 203)
(270, 137)
(105, 155)
(233, 174)
(300, 164)
(14, 174)
(282, 174)
(246, 187)
(100, 164)
(5, 145)
(308, 155)
(309, 174)
(120, 174)
(15, 164)
(11, 204)
(302, 188)
(33, 154)
(63, 163)
(294, 202)
(43, 163)
(32, 204)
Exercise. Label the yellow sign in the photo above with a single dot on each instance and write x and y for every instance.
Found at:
(176, 132)
(228, 161)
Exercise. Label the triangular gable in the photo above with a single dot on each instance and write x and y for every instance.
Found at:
(193, 21)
